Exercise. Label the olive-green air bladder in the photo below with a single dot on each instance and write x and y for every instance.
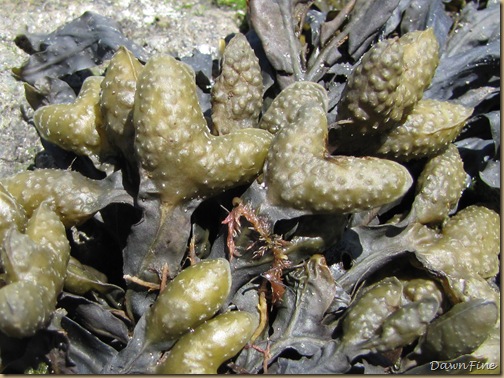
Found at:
(210, 345)
(173, 142)
(35, 264)
(299, 173)
(237, 95)
(194, 296)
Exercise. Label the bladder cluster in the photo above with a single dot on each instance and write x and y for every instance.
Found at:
(149, 115)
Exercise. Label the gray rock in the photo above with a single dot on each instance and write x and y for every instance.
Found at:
(174, 27)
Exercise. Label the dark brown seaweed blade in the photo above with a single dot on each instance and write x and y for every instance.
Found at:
(82, 43)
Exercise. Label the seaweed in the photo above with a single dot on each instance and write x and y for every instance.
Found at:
(281, 199)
